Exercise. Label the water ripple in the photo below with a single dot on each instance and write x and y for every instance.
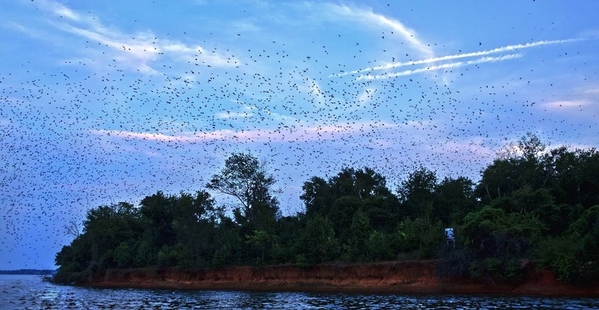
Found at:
(29, 292)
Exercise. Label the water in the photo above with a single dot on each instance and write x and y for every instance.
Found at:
(30, 292)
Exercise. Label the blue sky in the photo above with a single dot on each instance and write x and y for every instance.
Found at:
(106, 103)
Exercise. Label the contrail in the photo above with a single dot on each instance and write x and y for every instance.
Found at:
(458, 56)
(438, 67)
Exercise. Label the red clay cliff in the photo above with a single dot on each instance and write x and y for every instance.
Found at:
(406, 277)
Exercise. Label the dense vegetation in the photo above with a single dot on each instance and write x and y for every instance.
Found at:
(532, 204)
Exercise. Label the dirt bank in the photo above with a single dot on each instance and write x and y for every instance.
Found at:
(390, 277)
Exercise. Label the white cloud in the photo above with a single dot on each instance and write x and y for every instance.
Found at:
(591, 91)
(566, 104)
(134, 50)
(370, 18)
(366, 96)
(315, 92)
(228, 114)
(297, 133)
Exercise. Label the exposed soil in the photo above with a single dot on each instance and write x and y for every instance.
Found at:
(408, 277)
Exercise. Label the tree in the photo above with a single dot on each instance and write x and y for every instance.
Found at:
(72, 228)
(417, 193)
(261, 240)
(194, 221)
(245, 179)
(360, 232)
(106, 227)
(317, 196)
(318, 243)
(158, 214)
(494, 232)
(341, 216)
(454, 198)
(520, 166)
(499, 240)
(341, 195)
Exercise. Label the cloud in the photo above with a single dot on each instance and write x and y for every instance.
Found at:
(26, 30)
(369, 18)
(591, 91)
(229, 114)
(566, 104)
(284, 133)
(315, 91)
(60, 10)
(365, 97)
(438, 67)
(134, 50)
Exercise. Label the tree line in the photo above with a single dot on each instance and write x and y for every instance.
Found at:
(531, 204)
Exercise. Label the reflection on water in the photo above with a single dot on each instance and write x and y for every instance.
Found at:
(30, 292)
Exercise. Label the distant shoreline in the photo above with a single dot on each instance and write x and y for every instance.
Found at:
(413, 277)
(40, 272)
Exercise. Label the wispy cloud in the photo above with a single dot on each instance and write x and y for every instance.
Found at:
(566, 104)
(134, 50)
(315, 91)
(365, 97)
(438, 67)
(369, 18)
(286, 133)
(245, 113)
(591, 91)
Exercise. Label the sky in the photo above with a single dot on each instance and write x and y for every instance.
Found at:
(106, 103)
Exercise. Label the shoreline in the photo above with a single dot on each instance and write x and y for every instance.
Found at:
(408, 277)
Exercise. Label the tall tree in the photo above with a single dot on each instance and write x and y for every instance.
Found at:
(520, 166)
(454, 198)
(317, 196)
(417, 193)
(343, 194)
(194, 222)
(245, 179)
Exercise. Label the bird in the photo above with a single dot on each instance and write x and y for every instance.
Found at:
(94, 110)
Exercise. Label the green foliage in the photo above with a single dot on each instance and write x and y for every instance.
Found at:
(454, 198)
(261, 240)
(288, 236)
(558, 254)
(318, 243)
(124, 254)
(341, 216)
(360, 231)
(246, 180)
(379, 247)
(419, 236)
(574, 257)
(498, 240)
(169, 256)
(492, 269)
(341, 195)
(529, 204)
(316, 196)
(491, 232)
(417, 193)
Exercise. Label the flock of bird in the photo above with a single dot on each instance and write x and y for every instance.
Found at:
(115, 127)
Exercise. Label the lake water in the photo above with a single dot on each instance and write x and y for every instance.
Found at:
(29, 292)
